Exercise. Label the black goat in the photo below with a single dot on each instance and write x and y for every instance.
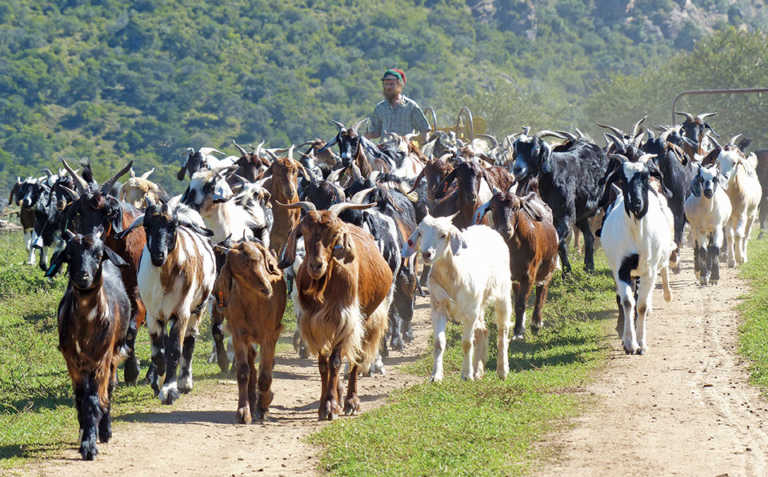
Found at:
(569, 178)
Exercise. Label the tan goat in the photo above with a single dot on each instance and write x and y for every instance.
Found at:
(251, 293)
(343, 294)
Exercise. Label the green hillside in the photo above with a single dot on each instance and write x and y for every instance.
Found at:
(144, 79)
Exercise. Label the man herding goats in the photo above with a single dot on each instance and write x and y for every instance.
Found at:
(396, 113)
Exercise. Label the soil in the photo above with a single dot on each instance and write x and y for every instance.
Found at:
(684, 408)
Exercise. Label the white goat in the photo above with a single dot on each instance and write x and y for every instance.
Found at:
(210, 194)
(707, 210)
(470, 270)
(744, 191)
(638, 239)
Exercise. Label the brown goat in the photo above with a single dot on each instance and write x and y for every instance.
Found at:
(526, 225)
(251, 293)
(93, 320)
(343, 294)
(136, 188)
(283, 188)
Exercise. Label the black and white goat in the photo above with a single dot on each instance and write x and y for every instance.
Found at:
(638, 239)
(708, 210)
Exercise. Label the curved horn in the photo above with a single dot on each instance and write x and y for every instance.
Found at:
(711, 138)
(259, 148)
(73, 196)
(733, 139)
(570, 136)
(290, 152)
(336, 209)
(304, 205)
(526, 130)
(271, 154)
(339, 125)
(108, 184)
(688, 116)
(704, 116)
(146, 175)
(356, 127)
(581, 134)
(547, 132)
(493, 139)
(615, 130)
(240, 148)
(360, 195)
(636, 127)
(82, 186)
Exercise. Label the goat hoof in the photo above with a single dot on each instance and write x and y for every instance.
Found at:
(88, 450)
(351, 405)
(243, 415)
(640, 352)
(169, 394)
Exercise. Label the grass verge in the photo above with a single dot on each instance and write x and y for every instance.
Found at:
(37, 414)
(486, 427)
(753, 333)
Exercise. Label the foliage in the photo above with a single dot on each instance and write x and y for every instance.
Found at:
(116, 79)
(753, 332)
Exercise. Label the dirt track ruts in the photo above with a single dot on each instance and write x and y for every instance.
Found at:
(685, 408)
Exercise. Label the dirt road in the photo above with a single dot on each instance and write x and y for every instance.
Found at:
(684, 408)
(197, 436)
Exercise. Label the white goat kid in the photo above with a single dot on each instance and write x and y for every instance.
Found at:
(744, 191)
(707, 210)
(470, 270)
(638, 239)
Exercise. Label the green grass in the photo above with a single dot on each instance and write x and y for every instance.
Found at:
(753, 338)
(37, 415)
(486, 427)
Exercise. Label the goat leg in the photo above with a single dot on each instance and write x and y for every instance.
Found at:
(131, 370)
(217, 318)
(324, 412)
(352, 401)
(541, 297)
(170, 390)
(266, 364)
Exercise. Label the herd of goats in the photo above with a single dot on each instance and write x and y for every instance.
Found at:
(341, 234)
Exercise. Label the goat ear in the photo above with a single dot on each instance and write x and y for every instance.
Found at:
(182, 171)
(116, 215)
(114, 257)
(223, 286)
(545, 161)
(58, 259)
(270, 262)
(696, 186)
(457, 242)
(711, 158)
(343, 249)
(288, 254)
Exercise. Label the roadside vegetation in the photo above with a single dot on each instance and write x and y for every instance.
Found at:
(485, 427)
(754, 329)
(37, 414)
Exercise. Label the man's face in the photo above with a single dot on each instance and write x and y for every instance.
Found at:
(392, 87)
